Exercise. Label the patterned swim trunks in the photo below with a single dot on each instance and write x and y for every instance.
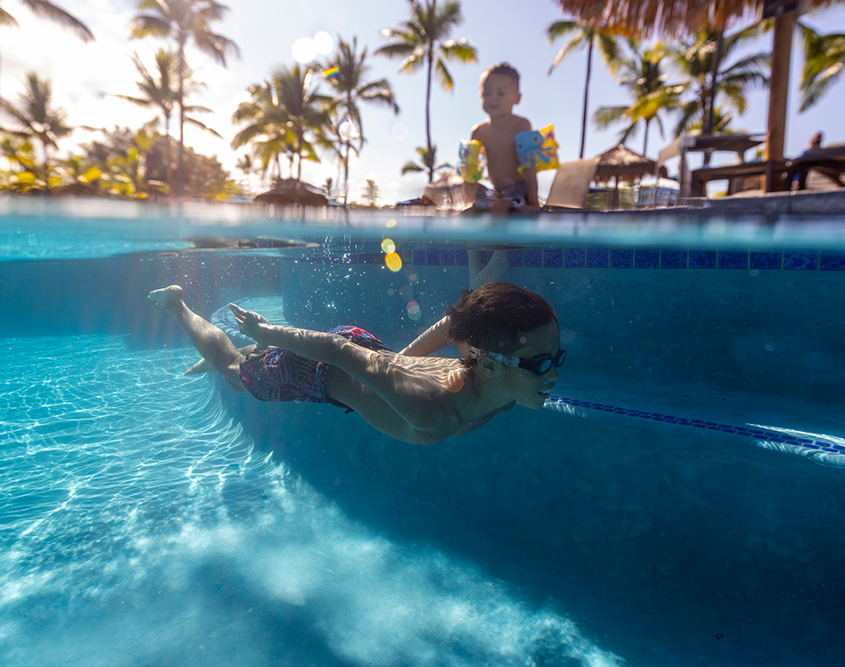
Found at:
(275, 374)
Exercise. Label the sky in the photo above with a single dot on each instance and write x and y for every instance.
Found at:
(265, 31)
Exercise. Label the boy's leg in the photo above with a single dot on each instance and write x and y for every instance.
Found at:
(213, 345)
(480, 274)
(202, 366)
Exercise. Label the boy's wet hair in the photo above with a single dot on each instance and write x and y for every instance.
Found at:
(493, 316)
(503, 69)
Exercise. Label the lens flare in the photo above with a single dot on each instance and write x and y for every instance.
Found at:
(414, 311)
(347, 130)
(331, 73)
(324, 43)
(304, 50)
(388, 245)
(393, 262)
(390, 223)
(400, 131)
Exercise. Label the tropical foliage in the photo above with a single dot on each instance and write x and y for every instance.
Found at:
(824, 60)
(708, 82)
(184, 21)
(423, 40)
(285, 115)
(642, 75)
(608, 44)
(348, 80)
(36, 118)
(47, 10)
(427, 162)
(161, 91)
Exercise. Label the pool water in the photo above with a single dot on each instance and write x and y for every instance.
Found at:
(679, 503)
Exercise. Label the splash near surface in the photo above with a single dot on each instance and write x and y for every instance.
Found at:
(141, 526)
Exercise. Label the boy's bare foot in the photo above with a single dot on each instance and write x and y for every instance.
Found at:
(166, 296)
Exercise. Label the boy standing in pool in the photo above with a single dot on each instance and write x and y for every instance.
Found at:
(513, 191)
(509, 337)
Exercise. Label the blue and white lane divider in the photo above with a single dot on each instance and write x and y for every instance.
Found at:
(826, 449)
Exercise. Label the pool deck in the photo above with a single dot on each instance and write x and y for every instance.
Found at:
(771, 205)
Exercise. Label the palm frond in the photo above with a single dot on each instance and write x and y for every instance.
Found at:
(47, 10)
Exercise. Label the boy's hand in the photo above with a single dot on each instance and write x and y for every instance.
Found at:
(250, 324)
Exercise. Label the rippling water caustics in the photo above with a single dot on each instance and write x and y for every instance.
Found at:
(138, 527)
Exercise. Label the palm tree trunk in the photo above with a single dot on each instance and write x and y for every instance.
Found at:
(586, 94)
(705, 113)
(428, 110)
(299, 134)
(46, 170)
(707, 127)
(645, 139)
(168, 172)
(181, 189)
(346, 175)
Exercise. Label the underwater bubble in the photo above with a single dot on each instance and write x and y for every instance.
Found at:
(393, 262)
(411, 273)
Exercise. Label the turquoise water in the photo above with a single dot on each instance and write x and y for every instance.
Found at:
(678, 504)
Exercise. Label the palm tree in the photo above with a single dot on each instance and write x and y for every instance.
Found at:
(161, 90)
(427, 163)
(423, 40)
(184, 21)
(47, 10)
(824, 60)
(700, 59)
(642, 75)
(20, 154)
(351, 88)
(284, 114)
(38, 119)
(370, 191)
(608, 45)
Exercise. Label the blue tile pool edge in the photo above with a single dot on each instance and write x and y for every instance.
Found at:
(587, 257)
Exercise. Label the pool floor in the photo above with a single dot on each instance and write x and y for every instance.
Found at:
(142, 526)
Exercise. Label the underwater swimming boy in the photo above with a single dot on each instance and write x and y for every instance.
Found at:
(509, 336)
(512, 190)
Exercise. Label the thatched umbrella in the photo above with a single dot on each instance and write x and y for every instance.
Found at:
(446, 191)
(288, 191)
(669, 18)
(621, 163)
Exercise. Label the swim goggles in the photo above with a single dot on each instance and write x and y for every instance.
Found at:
(540, 364)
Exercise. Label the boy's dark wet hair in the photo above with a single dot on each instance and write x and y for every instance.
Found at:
(493, 316)
(503, 69)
